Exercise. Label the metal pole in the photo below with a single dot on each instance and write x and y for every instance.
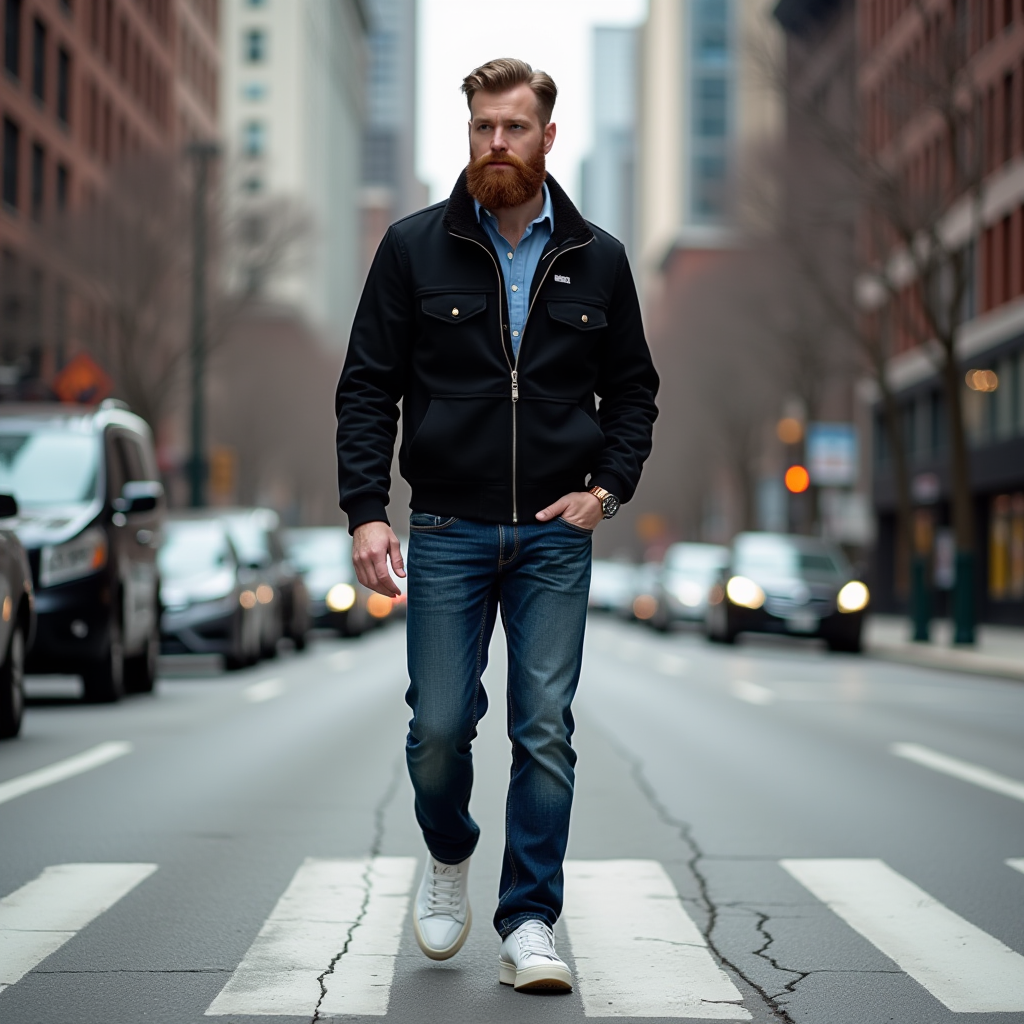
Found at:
(203, 153)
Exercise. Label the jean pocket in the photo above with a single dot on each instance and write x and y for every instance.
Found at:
(575, 528)
(426, 521)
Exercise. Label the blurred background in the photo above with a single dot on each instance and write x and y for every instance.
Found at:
(823, 202)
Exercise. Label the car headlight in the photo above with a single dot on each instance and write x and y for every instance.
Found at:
(689, 593)
(853, 597)
(341, 597)
(745, 593)
(81, 556)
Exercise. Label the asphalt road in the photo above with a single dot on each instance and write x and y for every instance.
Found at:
(761, 833)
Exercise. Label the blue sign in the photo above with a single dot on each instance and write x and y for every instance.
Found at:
(832, 454)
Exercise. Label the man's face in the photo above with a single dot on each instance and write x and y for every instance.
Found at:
(507, 146)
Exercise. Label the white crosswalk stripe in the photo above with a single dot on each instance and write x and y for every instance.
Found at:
(332, 907)
(1017, 863)
(37, 919)
(637, 952)
(966, 969)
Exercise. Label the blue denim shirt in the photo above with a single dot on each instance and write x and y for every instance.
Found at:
(518, 265)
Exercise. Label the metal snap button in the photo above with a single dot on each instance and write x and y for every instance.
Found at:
(585, 318)
(455, 312)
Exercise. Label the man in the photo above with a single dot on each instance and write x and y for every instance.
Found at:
(495, 318)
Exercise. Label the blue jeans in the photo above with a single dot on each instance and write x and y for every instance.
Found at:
(460, 574)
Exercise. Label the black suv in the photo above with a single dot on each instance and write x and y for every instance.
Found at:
(90, 507)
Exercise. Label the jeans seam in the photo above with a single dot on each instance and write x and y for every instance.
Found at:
(508, 835)
(439, 526)
(573, 526)
(480, 654)
(502, 562)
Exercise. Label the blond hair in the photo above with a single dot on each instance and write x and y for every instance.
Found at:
(506, 73)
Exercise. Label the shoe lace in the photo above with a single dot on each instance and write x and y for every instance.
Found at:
(537, 938)
(443, 893)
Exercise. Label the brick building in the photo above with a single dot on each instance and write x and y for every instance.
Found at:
(86, 84)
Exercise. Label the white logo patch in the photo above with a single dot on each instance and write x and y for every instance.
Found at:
(562, 279)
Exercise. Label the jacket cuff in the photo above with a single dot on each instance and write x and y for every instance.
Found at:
(610, 482)
(368, 509)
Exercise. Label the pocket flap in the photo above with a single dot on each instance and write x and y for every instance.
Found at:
(454, 308)
(580, 315)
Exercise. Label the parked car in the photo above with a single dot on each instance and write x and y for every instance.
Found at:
(210, 606)
(281, 591)
(777, 583)
(336, 599)
(90, 509)
(611, 586)
(17, 622)
(684, 581)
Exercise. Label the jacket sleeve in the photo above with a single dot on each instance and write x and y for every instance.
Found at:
(627, 386)
(372, 383)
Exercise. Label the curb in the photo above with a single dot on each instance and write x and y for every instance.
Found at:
(949, 659)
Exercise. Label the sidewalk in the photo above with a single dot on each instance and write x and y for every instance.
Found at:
(998, 651)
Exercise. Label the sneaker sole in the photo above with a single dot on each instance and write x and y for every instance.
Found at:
(450, 951)
(535, 979)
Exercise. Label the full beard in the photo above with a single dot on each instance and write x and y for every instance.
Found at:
(499, 190)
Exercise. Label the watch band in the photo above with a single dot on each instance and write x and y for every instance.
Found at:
(600, 493)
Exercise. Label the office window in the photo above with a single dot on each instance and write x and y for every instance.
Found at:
(12, 147)
(12, 37)
(711, 29)
(38, 170)
(255, 46)
(254, 91)
(38, 59)
(709, 177)
(255, 3)
(254, 138)
(63, 86)
(712, 101)
(63, 187)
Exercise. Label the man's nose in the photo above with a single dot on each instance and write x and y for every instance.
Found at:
(498, 143)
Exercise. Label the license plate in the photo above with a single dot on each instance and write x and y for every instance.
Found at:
(802, 622)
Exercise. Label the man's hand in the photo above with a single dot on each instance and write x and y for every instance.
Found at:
(372, 545)
(581, 508)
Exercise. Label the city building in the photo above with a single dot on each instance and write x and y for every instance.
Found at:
(609, 195)
(987, 40)
(390, 186)
(292, 102)
(86, 85)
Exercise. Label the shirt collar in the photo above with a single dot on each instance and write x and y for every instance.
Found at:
(547, 210)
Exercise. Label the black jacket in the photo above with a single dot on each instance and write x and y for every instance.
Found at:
(487, 437)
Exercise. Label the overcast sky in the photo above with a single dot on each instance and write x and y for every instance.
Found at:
(551, 35)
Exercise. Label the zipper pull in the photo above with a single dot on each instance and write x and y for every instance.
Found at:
(515, 385)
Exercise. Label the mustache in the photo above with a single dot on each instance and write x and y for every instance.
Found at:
(499, 158)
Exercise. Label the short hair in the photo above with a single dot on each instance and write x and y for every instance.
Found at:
(506, 73)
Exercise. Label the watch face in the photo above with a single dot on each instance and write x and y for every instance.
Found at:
(610, 505)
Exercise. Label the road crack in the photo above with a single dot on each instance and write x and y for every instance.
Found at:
(379, 812)
(705, 900)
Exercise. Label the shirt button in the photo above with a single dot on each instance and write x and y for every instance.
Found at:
(515, 287)
(509, 255)
(455, 312)
(515, 334)
(584, 316)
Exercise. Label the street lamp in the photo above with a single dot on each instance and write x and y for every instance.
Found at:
(202, 153)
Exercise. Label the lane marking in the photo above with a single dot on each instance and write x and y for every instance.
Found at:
(752, 693)
(310, 926)
(960, 769)
(61, 770)
(637, 952)
(965, 968)
(37, 919)
(1017, 863)
(265, 689)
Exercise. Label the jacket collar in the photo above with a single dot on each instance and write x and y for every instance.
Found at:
(460, 215)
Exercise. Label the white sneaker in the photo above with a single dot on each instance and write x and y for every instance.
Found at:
(443, 918)
(529, 962)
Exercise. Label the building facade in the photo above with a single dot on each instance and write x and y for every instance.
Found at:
(87, 85)
(988, 42)
(292, 103)
(609, 192)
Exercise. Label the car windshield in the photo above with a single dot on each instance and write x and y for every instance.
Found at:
(314, 549)
(250, 539)
(193, 548)
(779, 558)
(49, 467)
(695, 558)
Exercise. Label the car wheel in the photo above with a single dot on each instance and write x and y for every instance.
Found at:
(103, 677)
(301, 641)
(12, 686)
(238, 657)
(140, 670)
(850, 644)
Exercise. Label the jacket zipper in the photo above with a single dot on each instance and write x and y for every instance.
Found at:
(514, 369)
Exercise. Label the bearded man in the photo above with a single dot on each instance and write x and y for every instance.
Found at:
(512, 466)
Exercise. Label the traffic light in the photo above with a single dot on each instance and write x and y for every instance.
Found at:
(797, 479)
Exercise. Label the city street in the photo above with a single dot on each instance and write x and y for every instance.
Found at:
(846, 835)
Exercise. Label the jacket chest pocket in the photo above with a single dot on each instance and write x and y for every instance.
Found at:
(452, 308)
(581, 316)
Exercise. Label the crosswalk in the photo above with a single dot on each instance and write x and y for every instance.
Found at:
(331, 943)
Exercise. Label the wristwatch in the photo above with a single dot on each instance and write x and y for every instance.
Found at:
(609, 503)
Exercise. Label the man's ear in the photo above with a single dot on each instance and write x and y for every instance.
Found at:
(550, 130)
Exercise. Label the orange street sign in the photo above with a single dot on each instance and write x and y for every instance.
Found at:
(83, 380)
